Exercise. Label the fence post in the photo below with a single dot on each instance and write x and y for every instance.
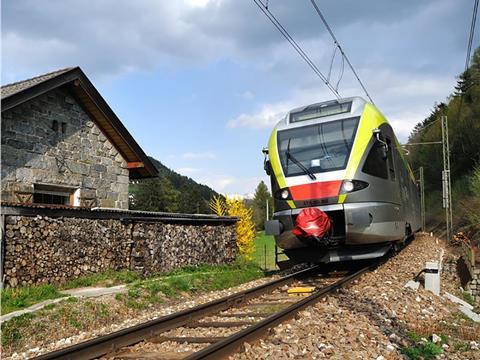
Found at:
(265, 255)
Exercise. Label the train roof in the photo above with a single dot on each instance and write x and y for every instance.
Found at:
(335, 109)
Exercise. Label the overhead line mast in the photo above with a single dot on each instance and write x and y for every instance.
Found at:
(319, 12)
(295, 45)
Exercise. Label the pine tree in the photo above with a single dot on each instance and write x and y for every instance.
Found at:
(262, 195)
(155, 194)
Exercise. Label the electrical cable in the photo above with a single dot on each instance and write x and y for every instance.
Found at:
(331, 62)
(467, 60)
(295, 45)
(341, 74)
(317, 9)
(472, 32)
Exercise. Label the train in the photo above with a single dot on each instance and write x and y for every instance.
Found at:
(341, 184)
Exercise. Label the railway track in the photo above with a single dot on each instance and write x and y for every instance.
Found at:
(215, 329)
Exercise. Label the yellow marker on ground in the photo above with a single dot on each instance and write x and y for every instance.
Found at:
(300, 291)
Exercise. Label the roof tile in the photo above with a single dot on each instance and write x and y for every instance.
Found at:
(13, 88)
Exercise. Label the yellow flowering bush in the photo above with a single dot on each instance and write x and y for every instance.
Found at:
(218, 206)
(245, 225)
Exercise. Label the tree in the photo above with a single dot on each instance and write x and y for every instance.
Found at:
(191, 201)
(462, 109)
(155, 194)
(262, 195)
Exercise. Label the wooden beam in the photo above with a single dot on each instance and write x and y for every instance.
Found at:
(135, 165)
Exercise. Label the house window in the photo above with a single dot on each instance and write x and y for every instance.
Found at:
(55, 125)
(64, 127)
(53, 195)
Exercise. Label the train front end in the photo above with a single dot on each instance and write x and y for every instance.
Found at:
(313, 160)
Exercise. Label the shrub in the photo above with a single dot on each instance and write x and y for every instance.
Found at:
(245, 227)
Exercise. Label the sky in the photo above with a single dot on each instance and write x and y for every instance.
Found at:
(201, 83)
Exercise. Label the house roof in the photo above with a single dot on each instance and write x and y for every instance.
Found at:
(76, 82)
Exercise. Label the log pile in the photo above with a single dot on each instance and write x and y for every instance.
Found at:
(460, 238)
(54, 250)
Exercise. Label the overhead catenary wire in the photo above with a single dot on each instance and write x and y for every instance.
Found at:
(319, 12)
(468, 56)
(471, 34)
(296, 46)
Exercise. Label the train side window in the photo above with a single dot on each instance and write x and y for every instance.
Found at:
(376, 164)
(391, 165)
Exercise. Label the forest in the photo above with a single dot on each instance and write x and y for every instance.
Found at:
(170, 192)
(462, 109)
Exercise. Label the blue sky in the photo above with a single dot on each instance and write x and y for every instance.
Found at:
(200, 83)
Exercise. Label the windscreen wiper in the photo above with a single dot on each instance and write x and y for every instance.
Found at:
(298, 163)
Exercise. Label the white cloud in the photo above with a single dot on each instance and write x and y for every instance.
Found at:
(266, 117)
(199, 155)
(217, 182)
(241, 196)
(403, 99)
(229, 184)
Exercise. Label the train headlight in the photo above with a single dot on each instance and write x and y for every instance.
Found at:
(283, 194)
(349, 186)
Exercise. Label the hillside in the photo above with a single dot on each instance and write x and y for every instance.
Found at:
(170, 192)
(462, 109)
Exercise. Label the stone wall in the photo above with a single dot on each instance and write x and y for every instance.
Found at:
(73, 153)
(45, 249)
(470, 255)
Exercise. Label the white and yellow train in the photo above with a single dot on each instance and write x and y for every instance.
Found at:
(343, 158)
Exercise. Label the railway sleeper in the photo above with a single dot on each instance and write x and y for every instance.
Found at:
(219, 324)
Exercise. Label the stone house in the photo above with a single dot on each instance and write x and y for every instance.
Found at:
(62, 144)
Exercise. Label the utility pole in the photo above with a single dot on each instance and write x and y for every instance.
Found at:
(267, 210)
(422, 197)
(446, 181)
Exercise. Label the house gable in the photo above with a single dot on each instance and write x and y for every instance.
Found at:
(50, 142)
(74, 81)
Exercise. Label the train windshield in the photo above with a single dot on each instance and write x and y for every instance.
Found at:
(317, 148)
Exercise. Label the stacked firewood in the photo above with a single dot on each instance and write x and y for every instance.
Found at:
(460, 238)
(55, 250)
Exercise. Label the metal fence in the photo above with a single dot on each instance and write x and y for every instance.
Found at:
(266, 255)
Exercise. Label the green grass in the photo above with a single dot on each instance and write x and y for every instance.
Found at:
(189, 280)
(13, 299)
(264, 254)
(421, 349)
(461, 346)
(169, 284)
(11, 330)
(22, 297)
(467, 297)
(425, 351)
(107, 278)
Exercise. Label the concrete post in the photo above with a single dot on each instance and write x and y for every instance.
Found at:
(432, 277)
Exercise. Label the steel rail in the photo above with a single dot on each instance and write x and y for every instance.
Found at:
(109, 343)
(232, 343)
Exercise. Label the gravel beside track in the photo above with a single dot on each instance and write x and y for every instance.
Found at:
(372, 318)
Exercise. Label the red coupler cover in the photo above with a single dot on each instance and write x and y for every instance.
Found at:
(311, 222)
